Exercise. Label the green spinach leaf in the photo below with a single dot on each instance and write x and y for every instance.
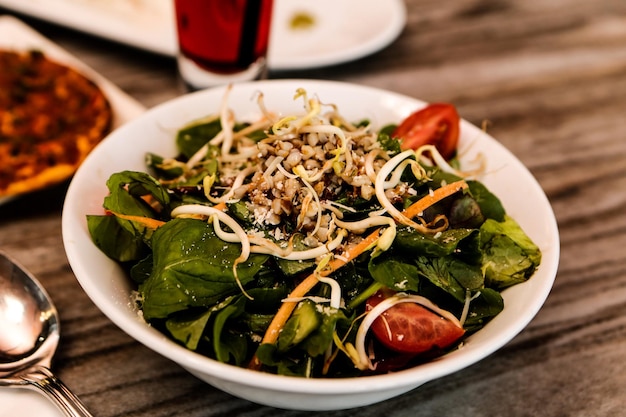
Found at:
(194, 136)
(192, 268)
(484, 307)
(322, 337)
(115, 241)
(442, 244)
(438, 271)
(188, 328)
(226, 344)
(490, 205)
(127, 190)
(394, 272)
(304, 320)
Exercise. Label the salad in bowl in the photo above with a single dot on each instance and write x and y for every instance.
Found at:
(306, 242)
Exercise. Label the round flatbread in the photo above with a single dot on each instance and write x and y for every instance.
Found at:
(51, 117)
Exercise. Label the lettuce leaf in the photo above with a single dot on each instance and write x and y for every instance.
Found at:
(509, 255)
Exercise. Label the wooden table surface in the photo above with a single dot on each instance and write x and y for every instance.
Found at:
(550, 76)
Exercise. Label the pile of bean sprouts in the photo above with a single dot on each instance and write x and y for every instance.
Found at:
(298, 171)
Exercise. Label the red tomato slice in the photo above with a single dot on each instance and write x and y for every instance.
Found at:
(411, 328)
(436, 124)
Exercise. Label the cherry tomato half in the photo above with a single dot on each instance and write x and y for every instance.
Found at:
(436, 124)
(411, 328)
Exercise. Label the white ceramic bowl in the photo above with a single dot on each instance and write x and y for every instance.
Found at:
(109, 288)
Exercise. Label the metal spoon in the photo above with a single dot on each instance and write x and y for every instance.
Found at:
(29, 335)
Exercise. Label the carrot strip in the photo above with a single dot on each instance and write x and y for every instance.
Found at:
(286, 308)
(153, 223)
(146, 221)
(220, 206)
(435, 196)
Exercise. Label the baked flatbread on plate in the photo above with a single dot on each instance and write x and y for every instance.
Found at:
(51, 117)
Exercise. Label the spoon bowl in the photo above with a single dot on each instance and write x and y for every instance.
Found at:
(29, 336)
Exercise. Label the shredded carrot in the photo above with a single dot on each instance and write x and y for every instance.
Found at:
(146, 221)
(220, 206)
(286, 308)
(435, 196)
(149, 222)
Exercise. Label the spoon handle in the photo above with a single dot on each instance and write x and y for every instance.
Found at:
(42, 379)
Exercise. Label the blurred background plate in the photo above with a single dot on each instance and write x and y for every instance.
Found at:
(23, 402)
(16, 35)
(338, 31)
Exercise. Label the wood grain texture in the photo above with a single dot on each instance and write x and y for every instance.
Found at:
(550, 77)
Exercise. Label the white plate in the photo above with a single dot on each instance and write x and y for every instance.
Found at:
(16, 35)
(342, 31)
(109, 287)
(22, 402)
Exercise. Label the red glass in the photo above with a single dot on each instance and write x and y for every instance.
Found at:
(223, 36)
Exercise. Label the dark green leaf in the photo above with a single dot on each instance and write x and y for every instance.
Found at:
(509, 255)
(465, 212)
(289, 367)
(155, 163)
(127, 190)
(266, 300)
(292, 268)
(394, 272)
(354, 278)
(188, 329)
(280, 364)
(192, 268)
(304, 320)
(229, 345)
(470, 277)
(256, 136)
(267, 354)
(442, 244)
(141, 270)
(257, 323)
(191, 138)
(115, 241)
(437, 270)
(439, 177)
(483, 308)
(127, 196)
(322, 337)
(240, 211)
(489, 204)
